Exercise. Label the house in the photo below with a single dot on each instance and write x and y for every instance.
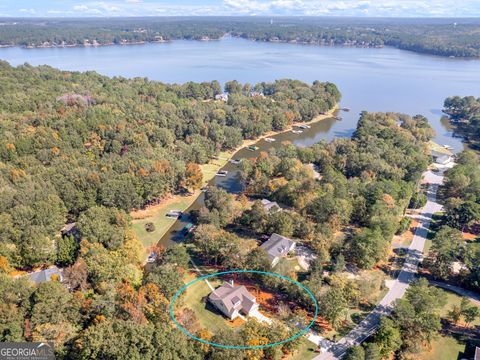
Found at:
(52, 273)
(277, 246)
(233, 300)
(270, 206)
(69, 229)
(444, 160)
(223, 97)
(477, 354)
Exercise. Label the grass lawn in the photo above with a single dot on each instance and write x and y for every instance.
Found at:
(161, 222)
(193, 300)
(156, 215)
(306, 351)
(444, 348)
(454, 299)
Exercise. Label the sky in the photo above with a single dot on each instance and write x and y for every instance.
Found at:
(375, 8)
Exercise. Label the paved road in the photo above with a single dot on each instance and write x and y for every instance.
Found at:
(473, 296)
(415, 254)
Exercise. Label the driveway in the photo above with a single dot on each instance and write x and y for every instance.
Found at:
(415, 254)
(260, 317)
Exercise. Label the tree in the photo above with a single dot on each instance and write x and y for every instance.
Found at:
(106, 226)
(193, 177)
(372, 352)
(355, 353)
(388, 337)
(447, 246)
(417, 315)
(117, 339)
(167, 278)
(367, 248)
(67, 249)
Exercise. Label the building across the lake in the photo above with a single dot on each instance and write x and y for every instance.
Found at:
(477, 354)
(233, 300)
(278, 246)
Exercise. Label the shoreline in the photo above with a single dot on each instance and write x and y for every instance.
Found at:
(150, 213)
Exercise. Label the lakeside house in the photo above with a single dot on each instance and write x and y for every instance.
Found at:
(52, 273)
(233, 300)
(270, 206)
(223, 97)
(278, 246)
(444, 160)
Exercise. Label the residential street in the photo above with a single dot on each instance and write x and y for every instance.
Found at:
(415, 254)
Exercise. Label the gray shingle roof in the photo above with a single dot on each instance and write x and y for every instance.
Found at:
(277, 246)
(230, 295)
(42, 276)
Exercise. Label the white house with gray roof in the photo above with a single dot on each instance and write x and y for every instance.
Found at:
(233, 300)
(278, 246)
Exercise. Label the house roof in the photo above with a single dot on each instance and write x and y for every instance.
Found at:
(42, 276)
(269, 205)
(277, 246)
(233, 297)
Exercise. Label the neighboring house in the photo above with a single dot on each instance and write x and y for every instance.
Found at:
(270, 206)
(42, 276)
(223, 97)
(444, 160)
(232, 300)
(477, 354)
(69, 229)
(277, 246)
(314, 168)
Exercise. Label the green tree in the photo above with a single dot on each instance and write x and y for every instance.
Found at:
(67, 249)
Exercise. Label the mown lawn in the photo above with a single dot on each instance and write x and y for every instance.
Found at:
(178, 202)
(161, 222)
(208, 319)
(444, 348)
(306, 351)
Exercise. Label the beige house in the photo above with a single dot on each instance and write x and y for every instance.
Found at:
(277, 246)
(233, 300)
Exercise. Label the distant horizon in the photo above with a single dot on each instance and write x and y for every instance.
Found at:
(255, 8)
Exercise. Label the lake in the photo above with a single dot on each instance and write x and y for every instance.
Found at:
(385, 79)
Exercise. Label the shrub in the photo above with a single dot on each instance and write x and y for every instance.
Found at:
(150, 227)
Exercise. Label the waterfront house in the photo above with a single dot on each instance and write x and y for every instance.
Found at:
(270, 206)
(278, 246)
(233, 300)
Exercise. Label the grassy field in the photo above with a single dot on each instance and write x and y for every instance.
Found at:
(156, 214)
(306, 351)
(193, 300)
(444, 348)
(447, 347)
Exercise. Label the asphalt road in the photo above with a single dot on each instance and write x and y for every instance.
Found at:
(415, 254)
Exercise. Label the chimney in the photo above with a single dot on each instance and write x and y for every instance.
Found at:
(231, 282)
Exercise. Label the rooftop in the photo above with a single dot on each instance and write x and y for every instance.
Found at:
(277, 246)
(42, 276)
(233, 297)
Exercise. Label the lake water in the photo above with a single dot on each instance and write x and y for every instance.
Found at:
(370, 79)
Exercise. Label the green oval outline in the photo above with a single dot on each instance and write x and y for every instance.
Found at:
(300, 333)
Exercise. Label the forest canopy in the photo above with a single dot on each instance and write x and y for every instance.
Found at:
(80, 146)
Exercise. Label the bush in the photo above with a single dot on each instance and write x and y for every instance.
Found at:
(150, 227)
(418, 201)
(404, 225)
